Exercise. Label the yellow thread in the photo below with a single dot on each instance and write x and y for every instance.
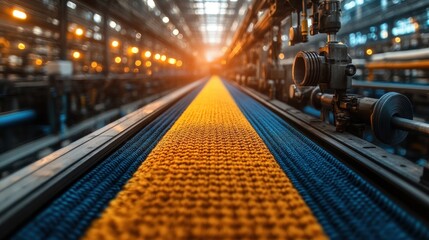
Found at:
(210, 177)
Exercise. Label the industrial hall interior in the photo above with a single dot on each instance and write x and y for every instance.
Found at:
(214, 119)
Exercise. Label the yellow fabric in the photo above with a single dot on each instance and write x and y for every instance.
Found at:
(210, 177)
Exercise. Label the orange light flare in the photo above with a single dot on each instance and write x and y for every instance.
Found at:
(172, 61)
(21, 46)
(369, 52)
(19, 14)
(115, 43)
(78, 32)
(76, 55)
(134, 50)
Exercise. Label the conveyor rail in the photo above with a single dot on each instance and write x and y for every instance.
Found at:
(213, 175)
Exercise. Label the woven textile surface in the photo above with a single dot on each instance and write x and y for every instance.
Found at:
(69, 215)
(346, 205)
(210, 177)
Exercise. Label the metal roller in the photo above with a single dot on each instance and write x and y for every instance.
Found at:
(390, 105)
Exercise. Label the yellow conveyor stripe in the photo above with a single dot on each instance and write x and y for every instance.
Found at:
(210, 177)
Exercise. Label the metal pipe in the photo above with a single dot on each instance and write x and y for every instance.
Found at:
(411, 125)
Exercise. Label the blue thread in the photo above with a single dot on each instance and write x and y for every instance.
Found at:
(69, 215)
(346, 205)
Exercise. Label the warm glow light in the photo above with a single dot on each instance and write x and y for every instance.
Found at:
(38, 62)
(369, 51)
(172, 61)
(21, 46)
(99, 68)
(163, 58)
(94, 64)
(79, 31)
(147, 54)
(179, 63)
(148, 64)
(19, 14)
(134, 49)
(118, 59)
(138, 63)
(115, 43)
(76, 55)
(397, 39)
(126, 69)
(281, 56)
(157, 56)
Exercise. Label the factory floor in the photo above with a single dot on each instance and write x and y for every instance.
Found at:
(219, 165)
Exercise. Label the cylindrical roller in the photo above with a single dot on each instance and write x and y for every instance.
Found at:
(306, 69)
(390, 105)
(410, 125)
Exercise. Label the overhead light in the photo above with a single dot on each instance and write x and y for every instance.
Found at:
(37, 30)
(112, 24)
(21, 46)
(115, 43)
(118, 60)
(369, 51)
(138, 63)
(79, 31)
(148, 64)
(175, 32)
(71, 5)
(147, 54)
(179, 63)
(151, 3)
(76, 54)
(165, 19)
(163, 58)
(19, 14)
(96, 18)
(172, 61)
(134, 49)
(157, 56)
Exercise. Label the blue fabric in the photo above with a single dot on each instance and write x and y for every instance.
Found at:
(345, 204)
(69, 215)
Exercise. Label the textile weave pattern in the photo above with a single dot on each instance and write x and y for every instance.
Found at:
(210, 177)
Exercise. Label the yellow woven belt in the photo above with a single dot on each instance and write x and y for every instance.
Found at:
(210, 177)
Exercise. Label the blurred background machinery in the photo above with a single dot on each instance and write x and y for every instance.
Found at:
(385, 48)
(68, 68)
(337, 91)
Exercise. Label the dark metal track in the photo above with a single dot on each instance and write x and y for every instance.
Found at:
(26, 191)
(397, 177)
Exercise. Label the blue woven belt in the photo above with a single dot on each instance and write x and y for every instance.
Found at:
(69, 215)
(346, 205)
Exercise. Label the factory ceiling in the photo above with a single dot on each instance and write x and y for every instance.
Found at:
(205, 27)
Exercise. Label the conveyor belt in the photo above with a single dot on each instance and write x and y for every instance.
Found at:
(212, 176)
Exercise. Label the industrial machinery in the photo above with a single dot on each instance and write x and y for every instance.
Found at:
(322, 78)
(232, 159)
